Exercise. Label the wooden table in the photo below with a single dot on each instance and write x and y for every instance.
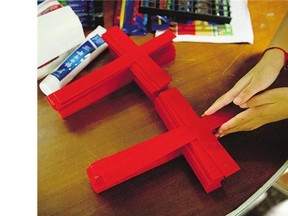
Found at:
(202, 72)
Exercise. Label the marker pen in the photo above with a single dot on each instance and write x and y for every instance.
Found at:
(75, 62)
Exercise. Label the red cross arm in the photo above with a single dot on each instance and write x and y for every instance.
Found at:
(112, 170)
(91, 88)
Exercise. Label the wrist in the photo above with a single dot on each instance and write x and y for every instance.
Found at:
(277, 57)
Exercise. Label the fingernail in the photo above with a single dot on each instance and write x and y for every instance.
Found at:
(237, 100)
(219, 133)
(244, 105)
(203, 115)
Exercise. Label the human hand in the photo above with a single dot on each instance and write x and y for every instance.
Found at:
(269, 106)
(261, 76)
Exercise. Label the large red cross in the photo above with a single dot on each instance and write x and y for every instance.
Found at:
(189, 135)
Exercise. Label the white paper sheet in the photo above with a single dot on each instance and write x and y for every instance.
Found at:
(58, 32)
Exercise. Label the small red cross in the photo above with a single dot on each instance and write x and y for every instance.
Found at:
(189, 135)
(134, 63)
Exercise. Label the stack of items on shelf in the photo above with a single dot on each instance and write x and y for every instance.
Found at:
(191, 20)
(128, 18)
(90, 12)
(217, 11)
(137, 17)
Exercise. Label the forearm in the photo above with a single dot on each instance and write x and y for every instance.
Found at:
(275, 57)
(261, 76)
(280, 38)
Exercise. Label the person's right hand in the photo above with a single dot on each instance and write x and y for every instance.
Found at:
(266, 107)
(261, 76)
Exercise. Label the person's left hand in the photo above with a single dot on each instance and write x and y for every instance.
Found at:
(269, 106)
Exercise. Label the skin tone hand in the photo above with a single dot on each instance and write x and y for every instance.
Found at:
(261, 107)
(257, 79)
(258, 107)
(270, 106)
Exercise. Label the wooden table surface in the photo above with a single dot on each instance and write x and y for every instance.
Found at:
(202, 72)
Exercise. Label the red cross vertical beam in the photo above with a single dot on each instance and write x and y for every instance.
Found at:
(189, 135)
(206, 156)
(134, 63)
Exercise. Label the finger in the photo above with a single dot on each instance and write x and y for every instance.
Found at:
(224, 100)
(230, 96)
(246, 93)
(259, 100)
(236, 124)
(218, 104)
(254, 86)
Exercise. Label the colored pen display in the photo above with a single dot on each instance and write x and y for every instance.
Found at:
(217, 11)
